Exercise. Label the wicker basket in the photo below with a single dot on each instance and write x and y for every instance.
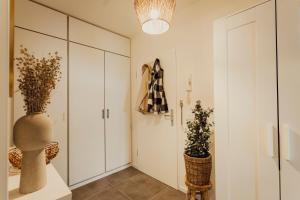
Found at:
(198, 170)
(15, 154)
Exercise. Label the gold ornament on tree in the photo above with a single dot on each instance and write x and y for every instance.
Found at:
(155, 15)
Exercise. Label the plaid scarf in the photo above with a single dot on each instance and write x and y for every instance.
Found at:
(157, 102)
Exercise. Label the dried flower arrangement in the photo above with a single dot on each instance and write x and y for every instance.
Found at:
(37, 78)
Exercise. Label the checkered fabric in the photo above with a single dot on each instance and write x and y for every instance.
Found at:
(157, 101)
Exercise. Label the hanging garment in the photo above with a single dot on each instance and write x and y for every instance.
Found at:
(157, 102)
(142, 100)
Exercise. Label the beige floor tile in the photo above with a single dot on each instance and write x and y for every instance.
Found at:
(87, 191)
(141, 187)
(170, 194)
(122, 176)
(109, 194)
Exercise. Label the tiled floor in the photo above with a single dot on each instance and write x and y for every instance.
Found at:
(129, 184)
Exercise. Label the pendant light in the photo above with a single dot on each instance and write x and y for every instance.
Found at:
(155, 15)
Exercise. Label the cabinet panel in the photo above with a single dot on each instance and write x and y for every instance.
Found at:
(86, 102)
(289, 96)
(88, 34)
(247, 165)
(39, 18)
(41, 45)
(117, 99)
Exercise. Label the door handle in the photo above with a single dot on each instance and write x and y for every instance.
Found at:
(286, 142)
(181, 112)
(107, 113)
(103, 114)
(270, 131)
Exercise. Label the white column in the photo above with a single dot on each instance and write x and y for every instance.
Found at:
(4, 47)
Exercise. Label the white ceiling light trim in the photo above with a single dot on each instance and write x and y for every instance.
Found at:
(155, 15)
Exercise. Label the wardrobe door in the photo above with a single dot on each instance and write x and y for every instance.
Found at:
(97, 37)
(40, 45)
(247, 166)
(86, 104)
(289, 96)
(32, 16)
(117, 103)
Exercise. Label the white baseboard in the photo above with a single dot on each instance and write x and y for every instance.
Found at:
(72, 187)
(182, 189)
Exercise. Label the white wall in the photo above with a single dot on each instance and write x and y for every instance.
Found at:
(3, 97)
(191, 34)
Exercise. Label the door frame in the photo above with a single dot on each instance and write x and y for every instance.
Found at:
(4, 73)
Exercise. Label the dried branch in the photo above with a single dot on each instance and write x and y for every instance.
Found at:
(37, 78)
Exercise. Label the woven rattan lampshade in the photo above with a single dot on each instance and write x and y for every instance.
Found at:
(155, 15)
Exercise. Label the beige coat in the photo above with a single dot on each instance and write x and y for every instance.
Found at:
(142, 100)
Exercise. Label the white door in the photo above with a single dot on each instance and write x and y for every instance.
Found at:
(40, 45)
(86, 106)
(289, 96)
(247, 165)
(117, 104)
(156, 135)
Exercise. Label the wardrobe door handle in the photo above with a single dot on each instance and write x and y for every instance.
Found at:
(103, 113)
(270, 130)
(286, 142)
(107, 113)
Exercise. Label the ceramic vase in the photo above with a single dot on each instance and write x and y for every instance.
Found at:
(31, 134)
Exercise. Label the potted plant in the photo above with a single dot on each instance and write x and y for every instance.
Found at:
(32, 132)
(198, 160)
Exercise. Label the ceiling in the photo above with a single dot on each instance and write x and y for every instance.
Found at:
(115, 15)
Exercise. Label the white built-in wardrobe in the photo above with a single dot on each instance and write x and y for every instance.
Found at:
(257, 103)
(99, 109)
(90, 107)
